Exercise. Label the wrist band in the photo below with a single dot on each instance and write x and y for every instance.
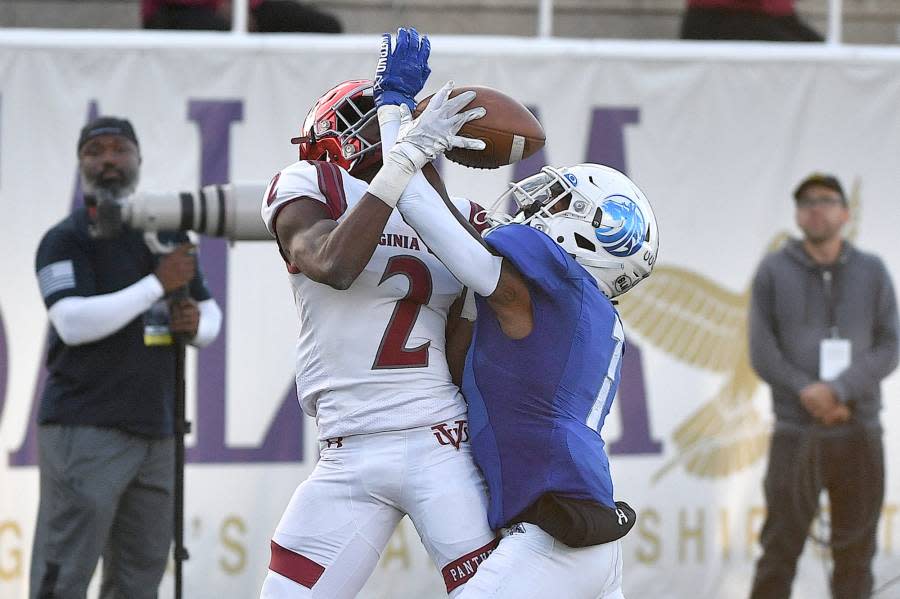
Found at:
(390, 182)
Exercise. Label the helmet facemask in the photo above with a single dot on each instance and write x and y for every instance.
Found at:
(343, 128)
(594, 213)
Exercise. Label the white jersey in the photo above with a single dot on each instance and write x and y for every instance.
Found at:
(370, 358)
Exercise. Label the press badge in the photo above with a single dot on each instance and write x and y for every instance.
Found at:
(834, 358)
(156, 324)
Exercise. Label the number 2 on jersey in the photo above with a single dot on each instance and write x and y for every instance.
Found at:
(605, 396)
(393, 353)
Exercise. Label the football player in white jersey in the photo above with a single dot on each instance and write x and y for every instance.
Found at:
(544, 364)
(374, 307)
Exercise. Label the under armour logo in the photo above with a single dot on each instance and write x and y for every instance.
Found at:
(449, 436)
(336, 441)
(623, 518)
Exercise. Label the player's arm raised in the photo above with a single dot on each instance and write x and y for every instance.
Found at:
(436, 220)
(407, 146)
(336, 253)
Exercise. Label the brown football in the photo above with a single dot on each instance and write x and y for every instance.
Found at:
(509, 130)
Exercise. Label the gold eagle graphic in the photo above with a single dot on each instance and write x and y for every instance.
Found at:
(698, 322)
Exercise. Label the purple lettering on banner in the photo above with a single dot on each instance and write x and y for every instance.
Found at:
(4, 366)
(632, 398)
(26, 454)
(283, 441)
(4, 362)
(606, 144)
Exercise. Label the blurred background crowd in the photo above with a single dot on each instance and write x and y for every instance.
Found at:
(863, 21)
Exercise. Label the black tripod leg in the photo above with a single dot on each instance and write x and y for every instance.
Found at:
(182, 427)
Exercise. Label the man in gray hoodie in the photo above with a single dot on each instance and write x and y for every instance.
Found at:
(823, 334)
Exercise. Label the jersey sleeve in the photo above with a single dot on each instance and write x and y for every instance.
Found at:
(540, 260)
(319, 181)
(472, 212)
(63, 267)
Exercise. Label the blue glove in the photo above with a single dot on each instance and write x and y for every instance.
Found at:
(401, 73)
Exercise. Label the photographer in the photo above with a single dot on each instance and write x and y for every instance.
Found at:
(106, 425)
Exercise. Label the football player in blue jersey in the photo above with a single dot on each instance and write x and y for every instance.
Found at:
(544, 361)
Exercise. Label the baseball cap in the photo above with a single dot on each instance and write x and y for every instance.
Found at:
(823, 180)
(107, 125)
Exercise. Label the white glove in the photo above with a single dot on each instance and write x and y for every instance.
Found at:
(422, 140)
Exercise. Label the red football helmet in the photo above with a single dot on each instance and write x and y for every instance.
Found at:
(342, 128)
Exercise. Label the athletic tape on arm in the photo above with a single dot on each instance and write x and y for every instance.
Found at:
(394, 176)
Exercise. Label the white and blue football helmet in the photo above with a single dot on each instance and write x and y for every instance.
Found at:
(597, 214)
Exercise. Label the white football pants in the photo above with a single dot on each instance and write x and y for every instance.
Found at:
(530, 564)
(340, 519)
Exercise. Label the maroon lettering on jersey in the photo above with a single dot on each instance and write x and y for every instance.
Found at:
(392, 351)
(402, 241)
(273, 189)
(476, 218)
(298, 568)
(332, 187)
(459, 571)
(451, 436)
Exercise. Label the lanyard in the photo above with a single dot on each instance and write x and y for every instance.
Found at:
(829, 282)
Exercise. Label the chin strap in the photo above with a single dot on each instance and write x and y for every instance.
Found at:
(596, 263)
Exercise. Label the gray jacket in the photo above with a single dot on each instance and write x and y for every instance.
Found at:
(793, 306)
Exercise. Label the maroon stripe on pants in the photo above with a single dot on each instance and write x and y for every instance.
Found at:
(298, 568)
(459, 571)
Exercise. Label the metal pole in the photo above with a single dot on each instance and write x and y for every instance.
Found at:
(182, 427)
(545, 18)
(239, 11)
(835, 22)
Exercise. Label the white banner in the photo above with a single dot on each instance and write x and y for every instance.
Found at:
(717, 136)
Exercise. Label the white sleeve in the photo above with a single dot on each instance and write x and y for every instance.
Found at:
(321, 181)
(469, 309)
(463, 255)
(210, 323)
(388, 126)
(424, 210)
(79, 320)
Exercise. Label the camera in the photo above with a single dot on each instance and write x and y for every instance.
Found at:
(230, 211)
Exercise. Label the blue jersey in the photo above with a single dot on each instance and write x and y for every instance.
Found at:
(537, 404)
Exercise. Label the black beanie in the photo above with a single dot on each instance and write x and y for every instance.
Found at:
(107, 125)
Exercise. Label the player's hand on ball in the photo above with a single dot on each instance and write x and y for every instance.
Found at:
(444, 113)
(402, 71)
(423, 139)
